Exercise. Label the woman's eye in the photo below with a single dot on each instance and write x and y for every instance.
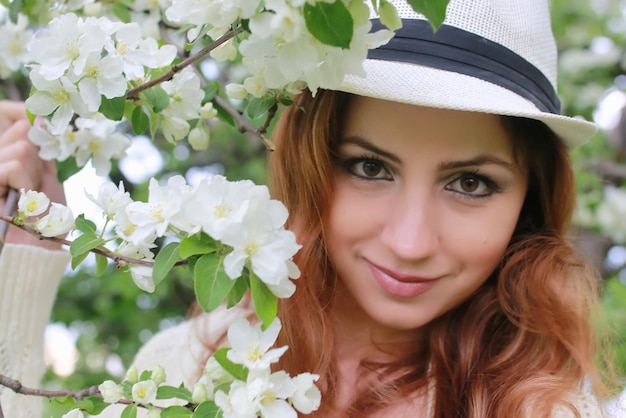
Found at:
(370, 169)
(471, 184)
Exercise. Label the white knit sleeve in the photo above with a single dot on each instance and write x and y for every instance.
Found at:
(29, 277)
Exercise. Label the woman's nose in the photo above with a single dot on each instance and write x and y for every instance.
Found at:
(411, 230)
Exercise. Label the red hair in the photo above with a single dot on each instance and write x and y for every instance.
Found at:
(521, 344)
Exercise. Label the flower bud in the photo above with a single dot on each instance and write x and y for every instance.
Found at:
(236, 91)
(224, 52)
(208, 111)
(199, 393)
(158, 375)
(111, 392)
(132, 375)
(199, 138)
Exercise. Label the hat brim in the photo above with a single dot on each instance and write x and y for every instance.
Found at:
(426, 86)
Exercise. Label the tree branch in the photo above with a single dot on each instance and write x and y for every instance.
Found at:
(17, 387)
(119, 260)
(133, 94)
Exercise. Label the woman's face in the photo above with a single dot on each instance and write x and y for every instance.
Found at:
(424, 205)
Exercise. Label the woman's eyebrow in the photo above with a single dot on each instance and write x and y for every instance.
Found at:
(365, 144)
(483, 159)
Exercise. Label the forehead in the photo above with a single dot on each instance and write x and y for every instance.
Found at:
(414, 128)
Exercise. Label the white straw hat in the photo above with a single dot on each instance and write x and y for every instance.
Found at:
(492, 56)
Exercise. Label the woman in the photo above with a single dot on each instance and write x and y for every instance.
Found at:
(432, 198)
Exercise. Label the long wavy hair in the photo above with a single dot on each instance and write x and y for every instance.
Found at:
(519, 346)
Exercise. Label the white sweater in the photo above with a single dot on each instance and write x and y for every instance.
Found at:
(29, 277)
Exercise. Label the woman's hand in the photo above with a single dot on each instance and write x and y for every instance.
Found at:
(20, 167)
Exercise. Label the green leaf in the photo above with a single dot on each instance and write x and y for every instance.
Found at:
(121, 12)
(196, 244)
(101, 265)
(238, 371)
(259, 106)
(434, 10)
(223, 115)
(139, 120)
(66, 168)
(84, 243)
(330, 23)
(93, 405)
(265, 302)
(389, 15)
(164, 261)
(175, 411)
(77, 259)
(84, 225)
(14, 10)
(236, 293)
(145, 375)
(207, 409)
(211, 284)
(157, 98)
(167, 392)
(113, 108)
(129, 412)
(210, 90)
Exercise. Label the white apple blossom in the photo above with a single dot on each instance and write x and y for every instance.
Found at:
(174, 128)
(111, 199)
(102, 77)
(67, 42)
(307, 397)
(185, 95)
(217, 204)
(111, 392)
(142, 276)
(13, 52)
(164, 202)
(58, 221)
(53, 147)
(32, 203)
(97, 139)
(60, 96)
(217, 13)
(264, 394)
(251, 346)
(144, 392)
(268, 251)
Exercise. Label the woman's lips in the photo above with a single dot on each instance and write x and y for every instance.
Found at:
(400, 285)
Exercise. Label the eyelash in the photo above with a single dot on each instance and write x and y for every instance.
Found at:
(491, 186)
(350, 163)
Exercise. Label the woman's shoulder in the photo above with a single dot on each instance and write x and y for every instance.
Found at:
(182, 349)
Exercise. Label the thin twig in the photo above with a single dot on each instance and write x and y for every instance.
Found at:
(17, 387)
(244, 125)
(133, 94)
(9, 207)
(118, 259)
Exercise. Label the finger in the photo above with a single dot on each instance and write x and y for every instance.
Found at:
(10, 112)
(20, 166)
(17, 131)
